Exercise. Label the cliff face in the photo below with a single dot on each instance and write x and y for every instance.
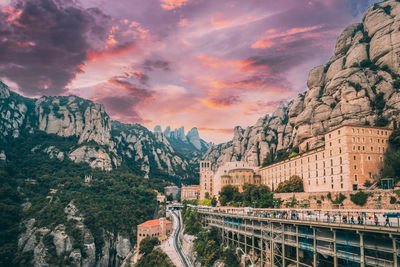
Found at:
(359, 85)
(99, 142)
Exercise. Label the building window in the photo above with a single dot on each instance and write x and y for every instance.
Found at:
(340, 160)
(331, 162)
(372, 148)
(341, 178)
(341, 169)
(339, 141)
(341, 185)
(355, 177)
(369, 157)
(339, 132)
(324, 181)
(330, 152)
(330, 136)
(358, 131)
(332, 186)
(317, 181)
(331, 170)
(355, 167)
(370, 174)
(363, 148)
(352, 130)
(354, 139)
(370, 140)
(358, 139)
(330, 143)
(354, 147)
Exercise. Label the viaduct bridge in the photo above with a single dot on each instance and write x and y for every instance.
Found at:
(309, 238)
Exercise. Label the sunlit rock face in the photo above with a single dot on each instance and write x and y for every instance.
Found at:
(358, 85)
(93, 137)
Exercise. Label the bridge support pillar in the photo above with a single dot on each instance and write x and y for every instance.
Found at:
(334, 249)
(297, 247)
(262, 245)
(283, 246)
(362, 258)
(395, 252)
(245, 236)
(271, 245)
(315, 248)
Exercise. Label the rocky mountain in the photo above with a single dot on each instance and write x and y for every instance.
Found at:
(100, 142)
(359, 85)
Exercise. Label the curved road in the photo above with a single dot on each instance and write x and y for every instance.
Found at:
(176, 236)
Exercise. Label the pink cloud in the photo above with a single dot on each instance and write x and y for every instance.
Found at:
(272, 37)
(172, 4)
(218, 19)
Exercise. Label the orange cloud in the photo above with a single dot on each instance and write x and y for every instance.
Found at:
(219, 20)
(183, 22)
(216, 130)
(220, 103)
(270, 39)
(172, 4)
(238, 65)
(115, 51)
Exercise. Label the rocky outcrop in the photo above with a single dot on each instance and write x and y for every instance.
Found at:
(92, 138)
(194, 138)
(359, 85)
(73, 116)
(48, 243)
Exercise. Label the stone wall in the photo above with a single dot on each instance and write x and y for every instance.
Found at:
(379, 199)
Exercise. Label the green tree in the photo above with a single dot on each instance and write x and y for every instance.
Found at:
(227, 194)
(294, 184)
(391, 168)
(147, 245)
(156, 258)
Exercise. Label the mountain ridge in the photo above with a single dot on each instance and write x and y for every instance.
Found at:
(118, 143)
(358, 85)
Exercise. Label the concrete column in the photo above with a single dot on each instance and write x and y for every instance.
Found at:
(245, 236)
(297, 247)
(271, 245)
(262, 245)
(283, 246)
(395, 252)
(315, 248)
(362, 258)
(252, 239)
(334, 249)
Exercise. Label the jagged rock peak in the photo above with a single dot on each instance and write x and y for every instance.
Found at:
(194, 138)
(167, 132)
(157, 129)
(4, 91)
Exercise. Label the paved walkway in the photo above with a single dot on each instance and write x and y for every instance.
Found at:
(168, 246)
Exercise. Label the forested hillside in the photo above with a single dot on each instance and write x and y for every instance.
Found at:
(51, 214)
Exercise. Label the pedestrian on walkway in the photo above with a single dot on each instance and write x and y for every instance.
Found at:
(387, 223)
(376, 220)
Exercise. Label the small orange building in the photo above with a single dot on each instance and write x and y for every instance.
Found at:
(160, 228)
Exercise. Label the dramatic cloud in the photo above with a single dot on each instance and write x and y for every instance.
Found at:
(210, 64)
(43, 43)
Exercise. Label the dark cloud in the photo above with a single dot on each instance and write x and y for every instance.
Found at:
(151, 65)
(44, 43)
(125, 106)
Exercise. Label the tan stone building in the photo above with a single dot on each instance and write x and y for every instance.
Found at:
(159, 228)
(351, 156)
(212, 181)
(240, 176)
(190, 192)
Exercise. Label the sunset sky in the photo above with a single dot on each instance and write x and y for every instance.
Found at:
(211, 64)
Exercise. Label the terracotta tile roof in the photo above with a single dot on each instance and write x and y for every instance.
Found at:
(153, 222)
